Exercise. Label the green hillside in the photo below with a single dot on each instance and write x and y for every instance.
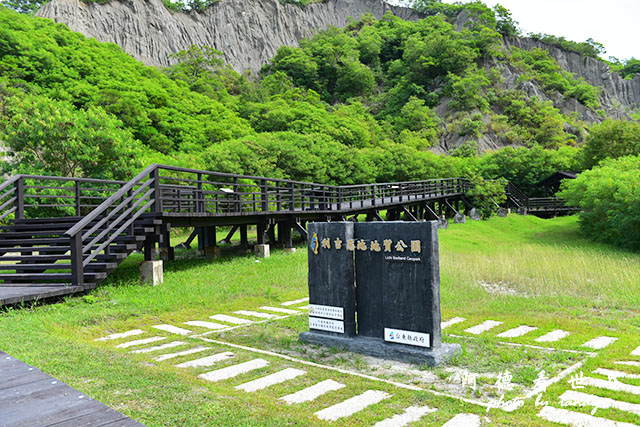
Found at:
(374, 102)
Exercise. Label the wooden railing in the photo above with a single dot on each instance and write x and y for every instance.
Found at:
(549, 204)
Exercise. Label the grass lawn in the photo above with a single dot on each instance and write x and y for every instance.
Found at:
(515, 270)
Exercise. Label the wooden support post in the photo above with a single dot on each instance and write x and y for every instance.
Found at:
(244, 244)
(150, 248)
(284, 230)
(271, 233)
(260, 230)
(77, 269)
(155, 176)
(19, 214)
(201, 239)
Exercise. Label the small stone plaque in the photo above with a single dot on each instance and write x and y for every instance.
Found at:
(326, 311)
(406, 337)
(326, 325)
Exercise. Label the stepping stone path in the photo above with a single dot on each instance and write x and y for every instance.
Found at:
(295, 302)
(482, 327)
(312, 393)
(452, 321)
(577, 419)
(140, 342)
(553, 336)
(517, 332)
(256, 314)
(352, 405)
(357, 403)
(121, 335)
(599, 343)
(173, 329)
(206, 361)
(279, 310)
(234, 370)
(463, 420)
(203, 324)
(230, 319)
(589, 401)
(180, 353)
(159, 347)
(410, 415)
(269, 380)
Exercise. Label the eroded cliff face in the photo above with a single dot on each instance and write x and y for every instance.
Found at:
(247, 32)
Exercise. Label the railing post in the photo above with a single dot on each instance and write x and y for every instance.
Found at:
(236, 196)
(19, 198)
(78, 213)
(199, 198)
(77, 269)
(155, 176)
(292, 204)
(263, 192)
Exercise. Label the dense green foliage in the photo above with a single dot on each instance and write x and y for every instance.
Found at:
(628, 68)
(609, 196)
(347, 106)
(611, 139)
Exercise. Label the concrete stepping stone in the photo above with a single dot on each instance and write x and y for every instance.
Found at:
(410, 415)
(230, 319)
(140, 342)
(203, 324)
(352, 405)
(610, 385)
(452, 322)
(279, 310)
(599, 402)
(628, 363)
(121, 335)
(578, 419)
(256, 314)
(483, 327)
(180, 353)
(234, 370)
(312, 393)
(636, 352)
(159, 347)
(304, 307)
(295, 302)
(517, 332)
(269, 380)
(463, 420)
(553, 336)
(611, 374)
(172, 329)
(206, 361)
(599, 343)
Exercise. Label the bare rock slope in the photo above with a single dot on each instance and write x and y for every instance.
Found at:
(247, 32)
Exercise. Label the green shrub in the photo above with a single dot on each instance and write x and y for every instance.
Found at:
(609, 197)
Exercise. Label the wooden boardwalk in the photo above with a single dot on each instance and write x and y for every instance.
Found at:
(29, 397)
(61, 235)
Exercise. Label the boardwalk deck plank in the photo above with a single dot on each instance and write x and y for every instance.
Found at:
(30, 397)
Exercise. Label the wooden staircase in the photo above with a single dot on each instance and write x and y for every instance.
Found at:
(36, 252)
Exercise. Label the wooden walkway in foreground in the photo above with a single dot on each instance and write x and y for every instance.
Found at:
(29, 397)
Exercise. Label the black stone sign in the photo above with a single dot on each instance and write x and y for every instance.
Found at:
(399, 286)
(331, 275)
(397, 289)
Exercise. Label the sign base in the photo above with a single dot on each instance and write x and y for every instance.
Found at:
(377, 347)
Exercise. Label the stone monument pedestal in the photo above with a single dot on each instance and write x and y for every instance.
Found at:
(289, 250)
(460, 218)
(212, 252)
(377, 347)
(151, 273)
